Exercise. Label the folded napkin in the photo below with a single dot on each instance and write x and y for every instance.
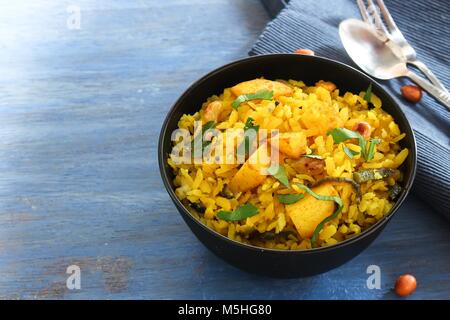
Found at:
(313, 24)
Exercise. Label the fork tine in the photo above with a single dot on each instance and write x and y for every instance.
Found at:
(374, 13)
(363, 10)
(387, 16)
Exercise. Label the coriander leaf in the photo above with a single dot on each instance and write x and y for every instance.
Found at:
(261, 94)
(368, 94)
(350, 153)
(290, 198)
(279, 173)
(371, 151)
(327, 219)
(313, 156)
(241, 213)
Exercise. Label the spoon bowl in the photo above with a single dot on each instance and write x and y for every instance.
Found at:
(381, 59)
(369, 52)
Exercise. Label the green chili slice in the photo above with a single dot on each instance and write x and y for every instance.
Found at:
(374, 174)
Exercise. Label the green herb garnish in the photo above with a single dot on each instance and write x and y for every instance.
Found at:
(208, 125)
(368, 94)
(279, 173)
(327, 219)
(261, 94)
(290, 198)
(371, 150)
(342, 134)
(199, 137)
(244, 147)
(350, 153)
(249, 124)
(243, 212)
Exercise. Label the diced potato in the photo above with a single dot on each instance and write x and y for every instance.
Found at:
(252, 86)
(307, 213)
(293, 144)
(249, 175)
(246, 179)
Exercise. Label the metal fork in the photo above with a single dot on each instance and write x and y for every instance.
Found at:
(389, 31)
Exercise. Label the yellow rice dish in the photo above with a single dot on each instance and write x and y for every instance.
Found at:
(338, 170)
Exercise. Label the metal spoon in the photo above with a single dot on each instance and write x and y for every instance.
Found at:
(380, 60)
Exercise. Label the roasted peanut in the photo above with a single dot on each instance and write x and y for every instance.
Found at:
(405, 285)
(363, 128)
(411, 93)
(307, 52)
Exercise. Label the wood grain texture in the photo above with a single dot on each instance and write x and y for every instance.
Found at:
(80, 113)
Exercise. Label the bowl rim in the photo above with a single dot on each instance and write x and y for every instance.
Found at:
(366, 233)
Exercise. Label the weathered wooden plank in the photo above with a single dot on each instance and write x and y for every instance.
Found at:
(80, 112)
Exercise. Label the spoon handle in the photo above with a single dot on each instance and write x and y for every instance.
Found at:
(430, 75)
(440, 95)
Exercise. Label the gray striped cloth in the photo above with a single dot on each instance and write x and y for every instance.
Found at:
(313, 24)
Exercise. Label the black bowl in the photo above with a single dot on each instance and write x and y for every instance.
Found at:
(310, 69)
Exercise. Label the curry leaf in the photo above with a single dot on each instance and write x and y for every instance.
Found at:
(320, 226)
(279, 173)
(241, 213)
(290, 198)
(261, 94)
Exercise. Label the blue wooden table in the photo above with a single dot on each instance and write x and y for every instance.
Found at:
(80, 113)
